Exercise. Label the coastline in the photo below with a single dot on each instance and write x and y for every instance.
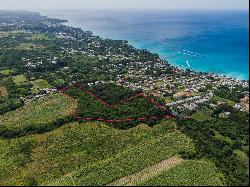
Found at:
(163, 55)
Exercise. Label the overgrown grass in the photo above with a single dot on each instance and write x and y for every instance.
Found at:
(3, 91)
(189, 173)
(7, 72)
(40, 84)
(20, 80)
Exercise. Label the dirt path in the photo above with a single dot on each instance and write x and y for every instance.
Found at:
(148, 172)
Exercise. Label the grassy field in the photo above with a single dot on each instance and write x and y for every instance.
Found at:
(202, 116)
(220, 99)
(28, 46)
(242, 157)
(20, 80)
(10, 33)
(3, 91)
(38, 113)
(87, 153)
(40, 84)
(189, 173)
(39, 37)
(89, 106)
(7, 72)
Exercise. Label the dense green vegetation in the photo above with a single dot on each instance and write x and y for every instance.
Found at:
(111, 93)
(87, 153)
(218, 139)
(90, 106)
(189, 173)
(231, 94)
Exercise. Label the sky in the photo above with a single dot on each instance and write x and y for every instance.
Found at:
(122, 4)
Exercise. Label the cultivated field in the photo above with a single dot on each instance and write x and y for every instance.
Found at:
(37, 114)
(189, 173)
(87, 153)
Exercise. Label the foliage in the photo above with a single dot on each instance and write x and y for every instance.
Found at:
(234, 94)
(90, 106)
(8, 104)
(87, 153)
(217, 139)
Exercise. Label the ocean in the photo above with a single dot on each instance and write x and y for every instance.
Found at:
(207, 41)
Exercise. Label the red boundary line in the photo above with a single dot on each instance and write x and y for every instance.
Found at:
(114, 106)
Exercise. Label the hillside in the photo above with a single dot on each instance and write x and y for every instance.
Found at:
(37, 116)
(80, 153)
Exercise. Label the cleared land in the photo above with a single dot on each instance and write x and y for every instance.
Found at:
(227, 101)
(202, 116)
(148, 173)
(20, 80)
(189, 173)
(29, 46)
(3, 91)
(40, 84)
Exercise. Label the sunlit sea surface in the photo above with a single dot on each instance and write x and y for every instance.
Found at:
(208, 41)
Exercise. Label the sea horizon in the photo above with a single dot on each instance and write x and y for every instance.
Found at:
(198, 40)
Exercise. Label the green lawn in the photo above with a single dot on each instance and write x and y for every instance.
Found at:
(40, 84)
(20, 80)
(189, 173)
(7, 72)
(202, 116)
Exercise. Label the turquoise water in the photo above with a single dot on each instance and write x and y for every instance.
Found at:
(209, 41)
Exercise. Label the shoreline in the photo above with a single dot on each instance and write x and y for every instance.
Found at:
(68, 23)
(161, 56)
